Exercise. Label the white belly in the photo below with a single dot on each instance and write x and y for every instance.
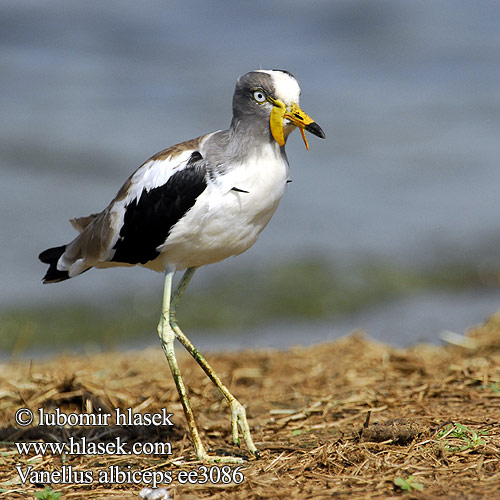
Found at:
(224, 222)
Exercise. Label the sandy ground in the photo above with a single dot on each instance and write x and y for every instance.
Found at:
(349, 419)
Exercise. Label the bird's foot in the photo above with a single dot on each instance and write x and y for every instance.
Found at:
(203, 456)
(239, 420)
(218, 459)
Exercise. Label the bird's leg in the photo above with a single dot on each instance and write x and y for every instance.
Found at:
(167, 337)
(238, 413)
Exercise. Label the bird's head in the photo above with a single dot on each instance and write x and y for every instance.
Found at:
(272, 97)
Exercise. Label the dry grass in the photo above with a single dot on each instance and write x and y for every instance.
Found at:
(343, 419)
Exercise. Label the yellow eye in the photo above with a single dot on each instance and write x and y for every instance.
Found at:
(259, 96)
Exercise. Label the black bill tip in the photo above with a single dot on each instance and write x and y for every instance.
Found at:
(315, 129)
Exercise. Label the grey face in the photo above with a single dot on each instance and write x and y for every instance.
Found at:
(244, 102)
(266, 103)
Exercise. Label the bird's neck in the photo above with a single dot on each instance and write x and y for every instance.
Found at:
(251, 136)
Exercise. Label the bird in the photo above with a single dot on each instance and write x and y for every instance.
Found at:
(193, 204)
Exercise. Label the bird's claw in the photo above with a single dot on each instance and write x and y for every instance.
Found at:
(217, 459)
(239, 419)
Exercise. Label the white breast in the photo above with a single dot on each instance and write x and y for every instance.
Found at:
(224, 222)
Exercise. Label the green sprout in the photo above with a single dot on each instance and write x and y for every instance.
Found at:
(493, 387)
(408, 484)
(471, 438)
(48, 494)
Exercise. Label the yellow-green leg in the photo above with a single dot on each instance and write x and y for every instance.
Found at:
(238, 413)
(168, 330)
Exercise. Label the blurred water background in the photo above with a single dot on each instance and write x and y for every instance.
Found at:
(391, 224)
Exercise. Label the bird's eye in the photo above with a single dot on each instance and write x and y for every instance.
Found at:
(259, 96)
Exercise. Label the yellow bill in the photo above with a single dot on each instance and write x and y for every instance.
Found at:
(297, 117)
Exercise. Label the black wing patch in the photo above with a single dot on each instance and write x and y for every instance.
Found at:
(147, 222)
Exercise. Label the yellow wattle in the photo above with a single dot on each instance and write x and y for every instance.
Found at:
(276, 123)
